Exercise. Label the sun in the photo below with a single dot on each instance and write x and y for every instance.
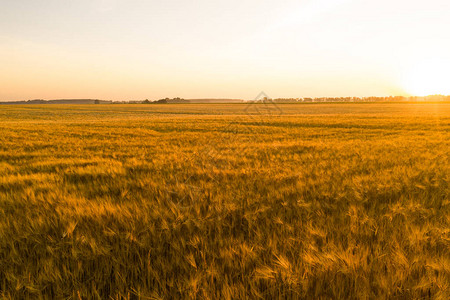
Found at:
(428, 77)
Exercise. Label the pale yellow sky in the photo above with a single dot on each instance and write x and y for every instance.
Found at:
(122, 50)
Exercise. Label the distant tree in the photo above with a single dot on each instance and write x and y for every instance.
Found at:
(97, 102)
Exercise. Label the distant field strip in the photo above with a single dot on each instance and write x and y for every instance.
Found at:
(218, 201)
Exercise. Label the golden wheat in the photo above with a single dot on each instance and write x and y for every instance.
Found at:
(223, 201)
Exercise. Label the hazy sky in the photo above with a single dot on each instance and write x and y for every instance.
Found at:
(121, 50)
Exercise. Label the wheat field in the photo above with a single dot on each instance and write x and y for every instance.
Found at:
(225, 201)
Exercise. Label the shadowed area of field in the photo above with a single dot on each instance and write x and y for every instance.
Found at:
(225, 201)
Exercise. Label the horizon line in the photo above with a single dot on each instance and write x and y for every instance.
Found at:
(225, 98)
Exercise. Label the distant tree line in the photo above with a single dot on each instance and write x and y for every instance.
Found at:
(431, 98)
(166, 100)
(60, 101)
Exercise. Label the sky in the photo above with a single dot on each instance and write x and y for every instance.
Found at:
(135, 49)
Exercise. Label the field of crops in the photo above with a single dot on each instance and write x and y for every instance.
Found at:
(220, 201)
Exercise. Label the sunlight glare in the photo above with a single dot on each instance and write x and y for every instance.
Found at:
(428, 77)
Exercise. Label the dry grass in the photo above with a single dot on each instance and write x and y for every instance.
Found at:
(213, 201)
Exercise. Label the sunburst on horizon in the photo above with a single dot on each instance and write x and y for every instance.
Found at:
(427, 77)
